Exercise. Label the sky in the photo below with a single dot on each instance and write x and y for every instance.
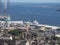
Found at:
(35, 0)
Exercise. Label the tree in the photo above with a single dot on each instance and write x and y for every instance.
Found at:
(15, 32)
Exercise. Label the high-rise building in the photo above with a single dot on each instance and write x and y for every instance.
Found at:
(6, 16)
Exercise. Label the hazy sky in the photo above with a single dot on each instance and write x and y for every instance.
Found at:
(35, 0)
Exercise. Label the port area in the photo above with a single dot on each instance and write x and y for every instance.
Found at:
(28, 33)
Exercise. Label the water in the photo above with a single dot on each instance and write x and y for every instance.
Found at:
(44, 13)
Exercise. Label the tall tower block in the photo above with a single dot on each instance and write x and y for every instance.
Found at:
(6, 10)
(0, 7)
(5, 7)
(8, 7)
(6, 14)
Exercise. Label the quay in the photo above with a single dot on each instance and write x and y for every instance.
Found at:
(22, 25)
